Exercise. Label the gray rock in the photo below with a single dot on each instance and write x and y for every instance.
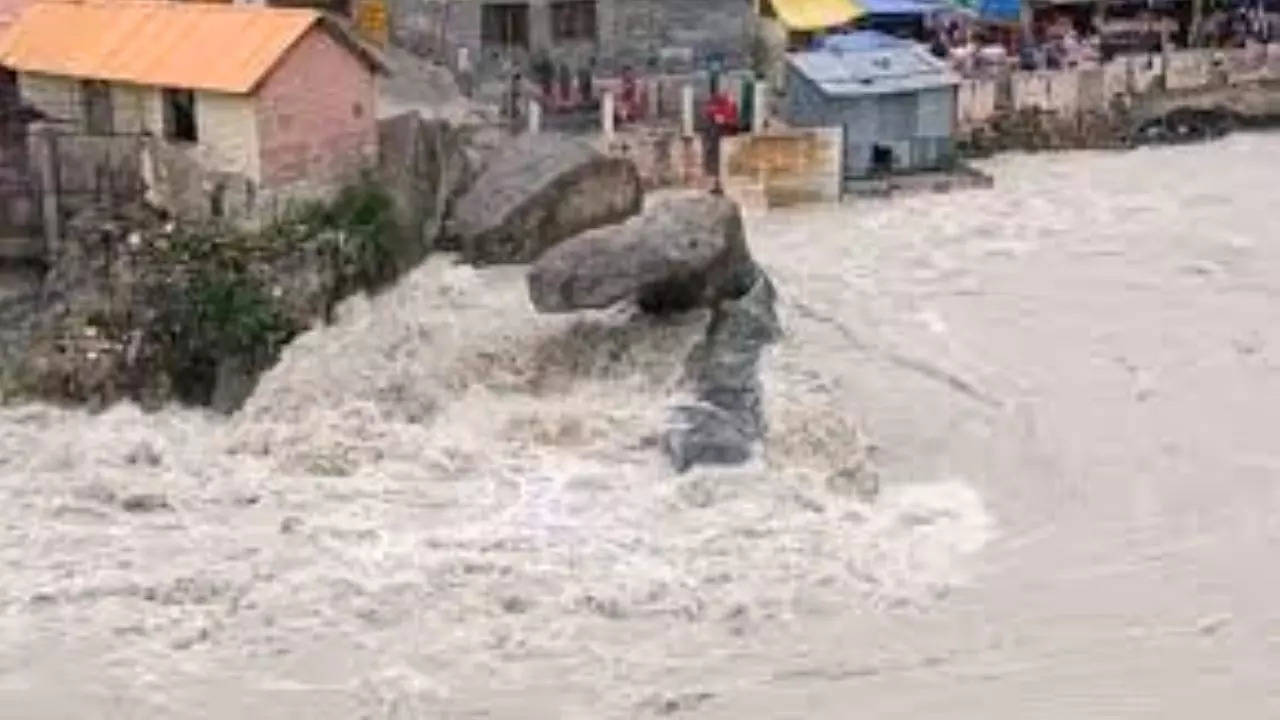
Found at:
(727, 422)
(236, 378)
(539, 191)
(425, 168)
(145, 503)
(688, 249)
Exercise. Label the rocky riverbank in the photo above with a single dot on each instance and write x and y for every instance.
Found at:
(137, 306)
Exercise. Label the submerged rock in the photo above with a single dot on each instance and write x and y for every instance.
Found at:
(541, 190)
(686, 250)
(726, 420)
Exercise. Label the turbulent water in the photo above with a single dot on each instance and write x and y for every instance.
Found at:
(447, 506)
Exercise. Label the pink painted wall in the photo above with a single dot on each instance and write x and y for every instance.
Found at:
(316, 117)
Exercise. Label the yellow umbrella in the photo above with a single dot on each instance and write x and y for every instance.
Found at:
(808, 15)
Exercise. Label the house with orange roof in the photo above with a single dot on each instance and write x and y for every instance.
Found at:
(276, 102)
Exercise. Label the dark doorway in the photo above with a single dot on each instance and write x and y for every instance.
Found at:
(573, 20)
(881, 159)
(505, 25)
(180, 115)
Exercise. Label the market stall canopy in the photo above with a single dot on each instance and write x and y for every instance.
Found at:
(806, 15)
(994, 11)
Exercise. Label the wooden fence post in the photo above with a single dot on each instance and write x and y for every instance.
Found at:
(46, 157)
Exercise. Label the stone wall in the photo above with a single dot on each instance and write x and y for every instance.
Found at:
(1097, 107)
(662, 155)
(783, 167)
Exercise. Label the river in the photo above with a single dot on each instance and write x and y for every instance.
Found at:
(445, 506)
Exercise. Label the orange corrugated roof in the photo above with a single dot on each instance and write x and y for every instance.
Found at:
(226, 48)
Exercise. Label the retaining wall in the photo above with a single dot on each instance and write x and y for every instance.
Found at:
(1075, 98)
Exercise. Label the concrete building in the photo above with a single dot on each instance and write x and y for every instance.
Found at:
(647, 35)
(266, 101)
(895, 102)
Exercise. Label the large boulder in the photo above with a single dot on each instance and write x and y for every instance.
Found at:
(425, 168)
(539, 191)
(725, 420)
(688, 249)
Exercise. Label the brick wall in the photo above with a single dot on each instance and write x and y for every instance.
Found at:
(316, 120)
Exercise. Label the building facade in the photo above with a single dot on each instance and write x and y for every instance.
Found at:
(647, 35)
(270, 102)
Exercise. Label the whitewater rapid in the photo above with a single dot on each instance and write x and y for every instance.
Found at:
(445, 505)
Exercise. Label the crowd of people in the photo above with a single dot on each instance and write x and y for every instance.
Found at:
(1066, 41)
(1056, 45)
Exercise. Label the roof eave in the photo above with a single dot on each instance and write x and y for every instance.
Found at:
(339, 32)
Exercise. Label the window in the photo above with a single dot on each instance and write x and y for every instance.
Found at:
(180, 115)
(505, 25)
(96, 97)
(573, 20)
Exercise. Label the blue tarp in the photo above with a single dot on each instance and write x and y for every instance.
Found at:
(901, 7)
(1000, 10)
(1008, 11)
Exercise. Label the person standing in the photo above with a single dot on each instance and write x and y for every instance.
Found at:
(585, 76)
(721, 119)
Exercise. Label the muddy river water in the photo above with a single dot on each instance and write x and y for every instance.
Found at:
(445, 506)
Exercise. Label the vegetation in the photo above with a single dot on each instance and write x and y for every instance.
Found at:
(158, 311)
(229, 307)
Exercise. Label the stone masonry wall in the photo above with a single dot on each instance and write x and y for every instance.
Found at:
(1100, 107)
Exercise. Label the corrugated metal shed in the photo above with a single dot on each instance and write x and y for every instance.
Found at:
(202, 46)
(904, 67)
(894, 101)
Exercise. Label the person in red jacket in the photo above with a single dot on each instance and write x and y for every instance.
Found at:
(722, 112)
(722, 119)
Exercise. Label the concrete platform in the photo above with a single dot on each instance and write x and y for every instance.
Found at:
(963, 177)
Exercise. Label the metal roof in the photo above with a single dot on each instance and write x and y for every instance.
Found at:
(876, 71)
(861, 41)
(202, 46)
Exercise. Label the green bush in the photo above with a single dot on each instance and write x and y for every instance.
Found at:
(222, 309)
(216, 316)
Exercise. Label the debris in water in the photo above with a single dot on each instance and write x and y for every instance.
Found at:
(1212, 624)
(145, 503)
